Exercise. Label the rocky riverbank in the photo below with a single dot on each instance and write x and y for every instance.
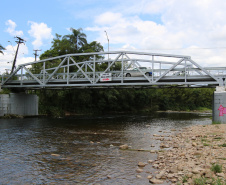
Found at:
(196, 155)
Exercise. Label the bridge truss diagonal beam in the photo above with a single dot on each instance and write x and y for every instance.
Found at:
(170, 69)
(32, 75)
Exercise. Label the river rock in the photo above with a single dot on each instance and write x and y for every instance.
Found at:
(150, 161)
(139, 170)
(220, 175)
(124, 147)
(155, 166)
(155, 181)
(173, 170)
(194, 144)
(149, 176)
(209, 173)
(141, 164)
(57, 155)
(160, 175)
(197, 170)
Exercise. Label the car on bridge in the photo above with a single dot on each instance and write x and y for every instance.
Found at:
(134, 72)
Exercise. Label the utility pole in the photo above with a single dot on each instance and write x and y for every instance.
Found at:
(20, 41)
(36, 50)
(108, 47)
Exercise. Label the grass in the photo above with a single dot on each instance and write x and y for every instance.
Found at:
(206, 144)
(223, 145)
(184, 179)
(204, 109)
(200, 181)
(203, 181)
(216, 168)
(218, 181)
(216, 122)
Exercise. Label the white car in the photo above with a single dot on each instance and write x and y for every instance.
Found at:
(135, 72)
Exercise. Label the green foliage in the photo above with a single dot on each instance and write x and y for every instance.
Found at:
(72, 43)
(200, 181)
(185, 179)
(216, 123)
(1, 49)
(218, 181)
(223, 145)
(94, 101)
(216, 168)
(5, 91)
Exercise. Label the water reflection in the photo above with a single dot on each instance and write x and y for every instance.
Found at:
(83, 150)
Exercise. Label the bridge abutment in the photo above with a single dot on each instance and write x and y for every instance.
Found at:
(219, 105)
(19, 104)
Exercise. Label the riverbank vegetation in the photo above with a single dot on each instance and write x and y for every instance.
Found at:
(99, 101)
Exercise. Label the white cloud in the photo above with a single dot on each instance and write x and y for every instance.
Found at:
(11, 29)
(183, 24)
(108, 18)
(41, 32)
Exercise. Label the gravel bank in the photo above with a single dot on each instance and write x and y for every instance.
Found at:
(197, 154)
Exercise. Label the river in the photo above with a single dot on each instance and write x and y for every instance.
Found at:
(84, 150)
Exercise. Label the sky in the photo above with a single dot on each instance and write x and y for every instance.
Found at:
(195, 28)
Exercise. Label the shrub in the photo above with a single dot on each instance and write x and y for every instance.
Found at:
(216, 168)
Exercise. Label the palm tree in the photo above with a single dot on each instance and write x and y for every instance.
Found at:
(1, 48)
(77, 39)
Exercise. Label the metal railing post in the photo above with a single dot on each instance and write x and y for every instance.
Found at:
(94, 68)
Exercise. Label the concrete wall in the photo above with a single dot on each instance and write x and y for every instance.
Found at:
(19, 104)
(219, 106)
(4, 104)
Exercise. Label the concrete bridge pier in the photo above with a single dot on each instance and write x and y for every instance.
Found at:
(219, 105)
(19, 104)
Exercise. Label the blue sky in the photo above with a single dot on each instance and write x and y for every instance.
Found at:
(194, 28)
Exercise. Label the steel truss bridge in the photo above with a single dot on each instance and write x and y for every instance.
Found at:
(108, 70)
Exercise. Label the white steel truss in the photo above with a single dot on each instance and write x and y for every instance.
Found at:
(85, 70)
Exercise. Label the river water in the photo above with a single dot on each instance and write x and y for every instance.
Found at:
(84, 150)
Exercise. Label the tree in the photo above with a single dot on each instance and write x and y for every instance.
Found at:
(77, 40)
(1, 48)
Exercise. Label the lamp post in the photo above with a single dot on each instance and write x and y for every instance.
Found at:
(108, 46)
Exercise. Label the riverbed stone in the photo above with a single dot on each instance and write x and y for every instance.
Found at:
(220, 175)
(150, 176)
(124, 147)
(155, 181)
(139, 170)
(141, 164)
(150, 161)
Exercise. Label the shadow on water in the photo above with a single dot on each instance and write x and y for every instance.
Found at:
(84, 150)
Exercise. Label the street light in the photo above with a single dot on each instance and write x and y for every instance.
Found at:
(108, 46)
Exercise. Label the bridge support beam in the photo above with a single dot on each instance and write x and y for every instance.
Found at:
(219, 105)
(19, 104)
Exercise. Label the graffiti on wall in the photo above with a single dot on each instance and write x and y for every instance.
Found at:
(222, 110)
